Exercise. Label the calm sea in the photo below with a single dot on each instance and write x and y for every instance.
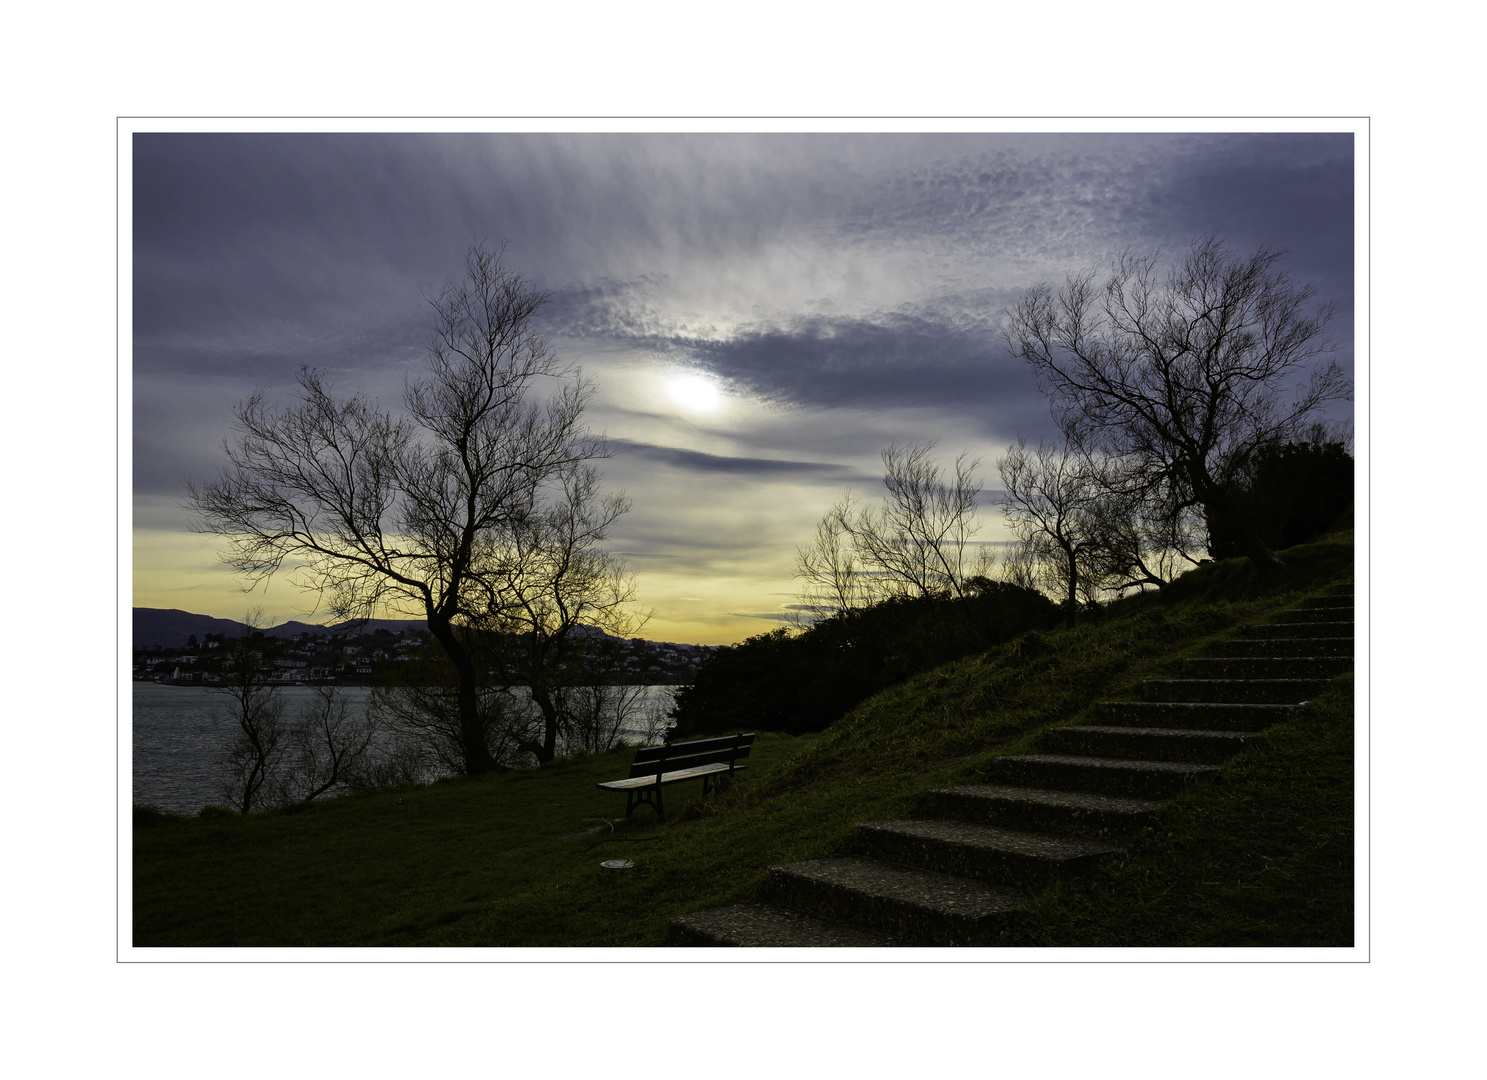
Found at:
(176, 742)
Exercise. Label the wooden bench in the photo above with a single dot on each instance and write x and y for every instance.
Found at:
(655, 766)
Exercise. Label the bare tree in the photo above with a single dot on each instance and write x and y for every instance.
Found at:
(1021, 565)
(552, 595)
(1139, 540)
(1182, 377)
(836, 579)
(922, 532)
(1085, 527)
(1050, 503)
(372, 510)
(918, 542)
(327, 747)
(254, 706)
(598, 714)
(421, 712)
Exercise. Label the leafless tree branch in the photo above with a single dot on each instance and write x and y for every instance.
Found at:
(374, 511)
(1183, 377)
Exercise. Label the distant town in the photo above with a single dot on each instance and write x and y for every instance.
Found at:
(372, 657)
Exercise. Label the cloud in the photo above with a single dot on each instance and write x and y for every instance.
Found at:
(895, 360)
(696, 461)
(271, 250)
(943, 357)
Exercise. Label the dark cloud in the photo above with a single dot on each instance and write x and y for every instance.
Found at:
(260, 248)
(772, 616)
(1040, 202)
(256, 236)
(981, 225)
(894, 361)
(696, 461)
(1287, 191)
(1292, 191)
(1019, 207)
(908, 360)
(610, 311)
(1021, 215)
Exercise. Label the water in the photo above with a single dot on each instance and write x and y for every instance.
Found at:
(176, 742)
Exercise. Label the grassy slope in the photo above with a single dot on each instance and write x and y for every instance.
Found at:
(1263, 857)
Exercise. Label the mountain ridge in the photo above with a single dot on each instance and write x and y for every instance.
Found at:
(171, 627)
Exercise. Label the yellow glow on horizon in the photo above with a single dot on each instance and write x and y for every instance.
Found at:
(180, 570)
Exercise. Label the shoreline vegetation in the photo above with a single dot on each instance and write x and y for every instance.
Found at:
(1261, 857)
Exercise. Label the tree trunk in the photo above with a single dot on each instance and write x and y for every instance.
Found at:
(1258, 551)
(478, 759)
(1228, 519)
(1073, 601)
(548, 750)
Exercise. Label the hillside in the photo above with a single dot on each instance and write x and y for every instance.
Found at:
(171, 628)
(1262, 857)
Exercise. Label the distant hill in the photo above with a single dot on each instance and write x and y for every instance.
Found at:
(170, 628)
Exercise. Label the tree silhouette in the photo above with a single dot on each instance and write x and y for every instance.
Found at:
(1182, 378)
(410, 512)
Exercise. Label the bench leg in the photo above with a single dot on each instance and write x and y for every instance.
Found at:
(643, 795)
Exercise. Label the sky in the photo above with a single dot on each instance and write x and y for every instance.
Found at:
(762, 313)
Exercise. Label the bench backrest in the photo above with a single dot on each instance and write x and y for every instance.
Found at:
(653, 760)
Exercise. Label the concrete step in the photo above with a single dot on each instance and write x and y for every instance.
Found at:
(1064, 813)
(1330, 629)
(762, 925)
(1264, 647)
(916, 906)
(1146, 744)
(991, 853)
(1101, 776)
(1191, 716)
(1241, 691)
(1333, 600)
(1268, 667)
(1312, 615)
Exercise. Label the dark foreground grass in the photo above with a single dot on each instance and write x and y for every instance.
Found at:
(503, 860)
(1263, 857)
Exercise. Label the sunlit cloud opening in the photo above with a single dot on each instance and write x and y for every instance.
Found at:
(695, 393)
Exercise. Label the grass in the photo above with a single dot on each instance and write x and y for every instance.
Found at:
(1262, 857)
(502, 860)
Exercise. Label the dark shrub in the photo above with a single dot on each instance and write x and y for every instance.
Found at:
(1293, 493)
(801, 682)
(147, 816)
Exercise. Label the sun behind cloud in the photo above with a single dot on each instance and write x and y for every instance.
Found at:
(695, 393)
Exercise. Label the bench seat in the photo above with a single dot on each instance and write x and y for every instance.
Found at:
(656, 766)
(631, 782)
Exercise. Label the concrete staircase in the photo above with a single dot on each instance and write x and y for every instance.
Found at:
(981, 850)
